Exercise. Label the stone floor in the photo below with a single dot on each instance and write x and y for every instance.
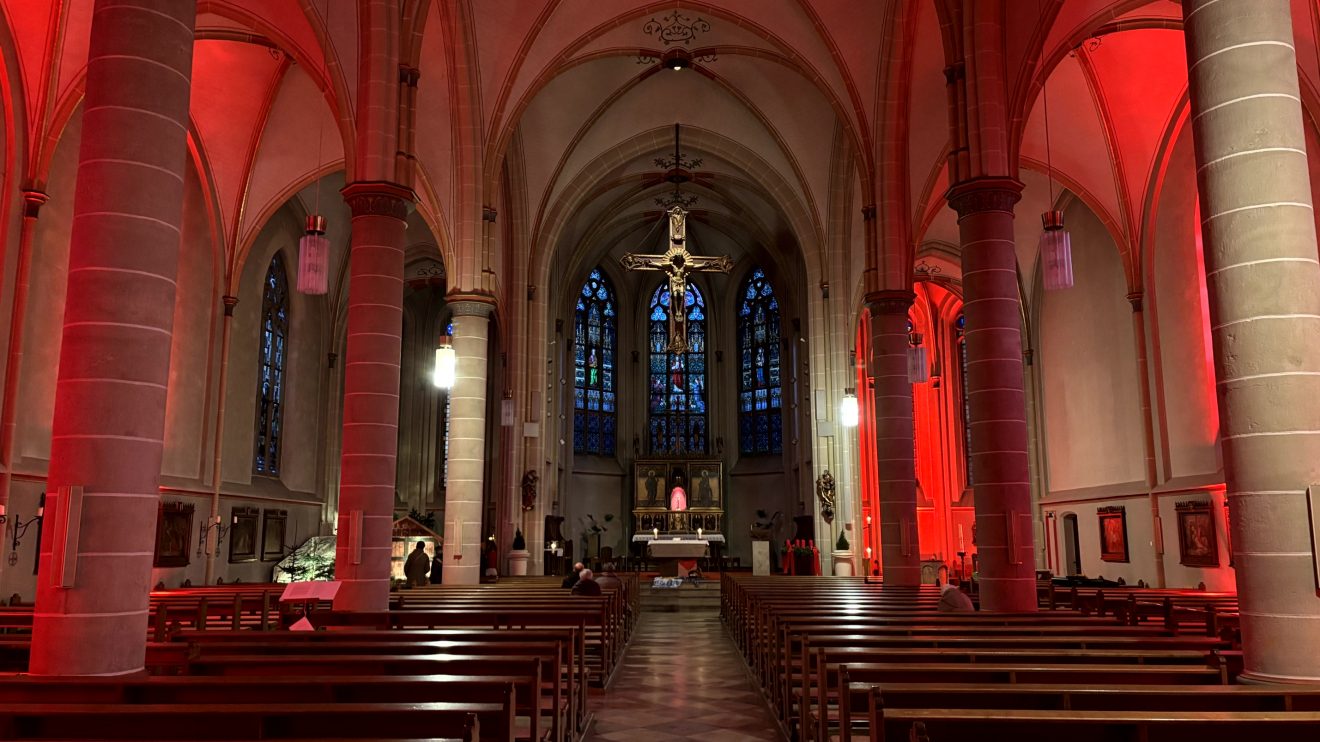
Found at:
(682, 678)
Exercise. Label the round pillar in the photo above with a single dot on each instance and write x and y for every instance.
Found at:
(371, 395)
(464, 484)
(115, 349)
(900, 556)
(1264, 289)
(995, 392)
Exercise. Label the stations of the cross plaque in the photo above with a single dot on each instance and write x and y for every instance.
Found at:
(677, 263)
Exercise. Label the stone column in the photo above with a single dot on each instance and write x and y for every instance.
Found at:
(115, 349)
(1264, 288)
(995, 392)
(896, 465)
(1148, 429)
(371, 395)
(32, 203)
(467, 443)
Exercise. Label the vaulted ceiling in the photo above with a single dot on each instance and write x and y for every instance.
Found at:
(554, 112)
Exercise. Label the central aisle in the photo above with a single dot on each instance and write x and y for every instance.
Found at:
(681, 678)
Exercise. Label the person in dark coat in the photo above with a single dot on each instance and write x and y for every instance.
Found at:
(417, 566)
(572, 578)
(586, 585)
(954, 600)
(437, 569)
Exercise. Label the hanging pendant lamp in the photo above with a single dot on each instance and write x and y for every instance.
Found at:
(314, 258)
(1055, 252)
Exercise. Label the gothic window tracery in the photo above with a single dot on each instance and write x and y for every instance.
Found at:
(270, 369)
(760, 421)
(595, 319)
(677, 381)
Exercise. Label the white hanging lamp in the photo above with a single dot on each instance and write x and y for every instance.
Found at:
(314, 258)
(848, 412)
(446, 364)
(1055, 243)
(918, 369)
(1055, 252)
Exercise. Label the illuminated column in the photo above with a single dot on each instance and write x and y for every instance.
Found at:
(467, 444)
(1264, 288)
(900, 558)
(995, 392)
(371, 395)
(115, 348)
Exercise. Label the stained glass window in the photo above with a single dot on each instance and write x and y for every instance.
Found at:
(677, 381)
(593, 367)
(270, 369)
(760, 422)
(966, 400)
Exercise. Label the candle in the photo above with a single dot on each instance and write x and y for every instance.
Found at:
(960, 538)
(698, 533)
(655, 533)
(868, 552)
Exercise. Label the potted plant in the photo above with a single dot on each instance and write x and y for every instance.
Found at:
(843, 557)
(518, 555)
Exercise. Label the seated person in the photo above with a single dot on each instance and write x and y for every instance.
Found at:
(954, 600)
(572, 577)
(586, 584)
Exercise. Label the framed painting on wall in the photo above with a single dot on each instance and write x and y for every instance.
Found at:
(1113, 533)
(1197, 546)
(273, 523)
(704, 490)
(243, 535)
(652, 478)
(173, 534)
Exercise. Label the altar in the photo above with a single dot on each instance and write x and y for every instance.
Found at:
(669, 552)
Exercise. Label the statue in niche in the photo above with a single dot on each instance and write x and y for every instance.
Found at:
(529, 481)
(825, 492)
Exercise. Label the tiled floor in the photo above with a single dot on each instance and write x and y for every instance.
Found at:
(681, 678)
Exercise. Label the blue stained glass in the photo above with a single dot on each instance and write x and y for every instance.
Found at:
(759, 416)
(594, 333)
(677, 381)
(274, 340)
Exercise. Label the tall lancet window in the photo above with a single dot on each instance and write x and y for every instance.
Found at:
(677, 380)
(960, 327)
(270, 369)
(760, 422)
(593, 367)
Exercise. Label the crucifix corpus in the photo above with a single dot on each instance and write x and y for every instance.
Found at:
(677, 263)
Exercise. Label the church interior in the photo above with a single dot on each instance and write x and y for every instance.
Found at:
(855, 345)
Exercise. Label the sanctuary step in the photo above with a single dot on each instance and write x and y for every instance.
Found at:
(703, 596)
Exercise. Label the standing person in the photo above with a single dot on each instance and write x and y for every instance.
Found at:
(417, 566)
(586, 584)
(437, 567)
(572, 578)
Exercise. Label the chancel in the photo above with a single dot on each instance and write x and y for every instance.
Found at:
(933, 330)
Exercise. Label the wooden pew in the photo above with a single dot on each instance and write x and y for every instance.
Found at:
(379, 721)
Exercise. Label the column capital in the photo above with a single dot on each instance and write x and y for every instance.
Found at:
(378, 198)
(230, 302)
(890, 302)
(1134, 299)
(977, 195)
(33, 200)
(470, 305)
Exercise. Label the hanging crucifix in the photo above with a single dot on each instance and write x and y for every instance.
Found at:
(677, 263)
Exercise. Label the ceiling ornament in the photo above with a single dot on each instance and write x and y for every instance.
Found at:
(925, 271)
(676, 198)
(676, 28)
